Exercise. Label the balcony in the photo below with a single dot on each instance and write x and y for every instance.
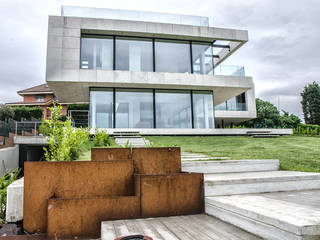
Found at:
(229, 70)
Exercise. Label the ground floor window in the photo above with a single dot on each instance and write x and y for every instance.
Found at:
(150, 108)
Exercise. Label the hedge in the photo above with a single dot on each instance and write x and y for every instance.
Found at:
(27, 113)
(307, 130)
(84, 106)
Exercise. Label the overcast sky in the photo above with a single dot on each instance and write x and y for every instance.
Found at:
(282, 54)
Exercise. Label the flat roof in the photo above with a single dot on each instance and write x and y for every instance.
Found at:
(133, 15)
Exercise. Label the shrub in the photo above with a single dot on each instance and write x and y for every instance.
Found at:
(27, 113)
(6, 112)
(84, 106)
(307, 130)
(44, 128)
(101, 138)
(65, 142)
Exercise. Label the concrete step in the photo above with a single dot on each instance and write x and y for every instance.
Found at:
(259, 182)
(268, 218)
(229, 166)
(265, 136)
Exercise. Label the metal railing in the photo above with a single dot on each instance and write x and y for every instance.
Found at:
(79, 118)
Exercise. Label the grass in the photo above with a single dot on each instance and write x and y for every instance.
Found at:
(294, 152)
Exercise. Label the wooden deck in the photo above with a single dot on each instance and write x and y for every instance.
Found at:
(200, 227)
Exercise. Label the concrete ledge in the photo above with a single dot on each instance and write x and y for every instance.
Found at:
(14, 208)
(30, 140)
(197, 132)
(227, 166)
(9, 159)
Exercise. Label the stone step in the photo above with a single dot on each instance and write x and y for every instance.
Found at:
(259, 182)
(268, 218)
(229, 166)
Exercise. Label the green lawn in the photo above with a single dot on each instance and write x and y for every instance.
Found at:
(294, 152)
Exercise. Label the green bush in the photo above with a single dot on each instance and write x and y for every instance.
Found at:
(307, 130)
(65, 142)
(44, 128)
(101, 138)
(6, 112)
(84, 106)
(27, 113)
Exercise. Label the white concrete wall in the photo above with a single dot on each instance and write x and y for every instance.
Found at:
(14, 208)
(9, 159)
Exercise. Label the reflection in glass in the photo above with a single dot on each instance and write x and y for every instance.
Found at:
(172, 56)
(101, 110)
(173, 109)
(97, 52)
(134, 54)
(202, 58)
(203, 109)
(134, 108)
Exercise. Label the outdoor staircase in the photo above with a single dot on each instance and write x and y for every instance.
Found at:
(255, 196)
(262, 134)
(130, 139)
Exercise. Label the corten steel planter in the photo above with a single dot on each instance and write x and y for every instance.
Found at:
(171, 195)
(160, 160)
(71, 180)
(67, 199)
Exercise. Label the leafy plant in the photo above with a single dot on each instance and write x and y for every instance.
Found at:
(311, 103)
(24, 112)
(65, 142)
(6, 112)
(101, 138)
(5, 181)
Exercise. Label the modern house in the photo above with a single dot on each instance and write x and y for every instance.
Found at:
(148, 72)
(40, 96)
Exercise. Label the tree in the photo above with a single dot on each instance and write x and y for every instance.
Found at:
(311, 103)
(6, 112)
(268, 116)
(289, 121)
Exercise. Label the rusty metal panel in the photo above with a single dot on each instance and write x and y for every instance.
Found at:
(160, 160)
(83, 217)
(171, 195)
(45, 180)
(106, 154)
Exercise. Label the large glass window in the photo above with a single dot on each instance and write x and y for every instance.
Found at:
(134, 54)
(203, 109)
(172, 56)
(101, 108)
(97, 52)
(202, 59)
(173, 109)
(134, 108)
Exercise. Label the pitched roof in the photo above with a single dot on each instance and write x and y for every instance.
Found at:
(43, 88)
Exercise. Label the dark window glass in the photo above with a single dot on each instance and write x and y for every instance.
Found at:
(202, 60)
(172, 56)
(101, 108)
(134, 108)
(203, 109)
(173, 109)
(97, 53)
(134, 54)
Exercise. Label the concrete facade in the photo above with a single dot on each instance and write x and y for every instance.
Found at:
(9, 158)
(71, 83)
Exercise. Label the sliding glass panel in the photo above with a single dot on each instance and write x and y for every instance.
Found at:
(203, 109)
(202, 59)
(97, 52)
(172, 56)
(173, 109)
(101, 108)
(134, 54)
(134, 108)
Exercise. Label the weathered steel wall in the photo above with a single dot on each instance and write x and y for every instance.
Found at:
(45, 180)
(106, 154)
(170, 195)
(83, 217)
(151, 161)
